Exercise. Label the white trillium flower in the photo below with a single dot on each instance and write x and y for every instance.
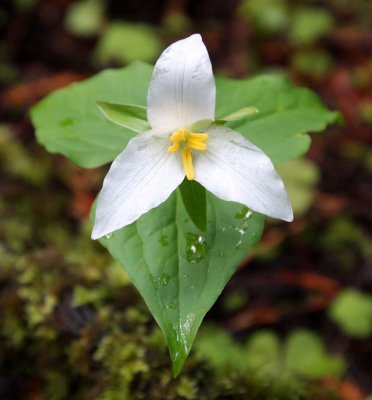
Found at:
(182, 93)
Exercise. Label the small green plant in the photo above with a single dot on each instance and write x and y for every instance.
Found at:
(352, 310)
(193, 174)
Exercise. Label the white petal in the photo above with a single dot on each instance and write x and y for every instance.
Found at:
(234, 169)
(140, 178)
(182, 90)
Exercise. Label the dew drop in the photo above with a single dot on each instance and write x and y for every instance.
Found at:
(161, 280)
(108, 236)
(244, 214)
(165, 278)
(196, 248)
(242, 232)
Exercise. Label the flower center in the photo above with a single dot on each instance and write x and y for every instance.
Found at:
(187, 141)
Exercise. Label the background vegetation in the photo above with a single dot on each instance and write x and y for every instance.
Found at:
(295, 322)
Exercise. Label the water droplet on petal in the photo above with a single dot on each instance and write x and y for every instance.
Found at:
(108, 236)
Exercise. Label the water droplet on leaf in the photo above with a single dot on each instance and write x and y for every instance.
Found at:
(244, 214)
(161, 280)
(196, 248)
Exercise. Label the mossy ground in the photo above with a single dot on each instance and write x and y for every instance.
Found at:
(72, 325)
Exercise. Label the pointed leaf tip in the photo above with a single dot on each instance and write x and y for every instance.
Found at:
(178, 360)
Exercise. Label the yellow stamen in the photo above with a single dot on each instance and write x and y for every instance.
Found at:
(198, 136)
(187, 164)
(197, 145)
(187, 141)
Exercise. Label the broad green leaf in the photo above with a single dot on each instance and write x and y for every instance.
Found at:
(69, 122)
(243, 113)
(179, 269)
(286, 114)
(352, 310)
(128, 116)
(195, 201)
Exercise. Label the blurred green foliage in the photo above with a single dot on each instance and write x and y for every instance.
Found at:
(8, 73)
(123, 42)
(85, 18)
(345, 242)
(300, 177)
(269, 16)
(312, 63)
(176, 23)
(352, 310)
(308, 24)
(305, 356)
(301, 355)
(25, 5)
(302, 25)
(365, 111)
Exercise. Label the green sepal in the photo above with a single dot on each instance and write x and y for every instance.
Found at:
(129, 116)
(194, 199)
(242, 113)
(201, 126)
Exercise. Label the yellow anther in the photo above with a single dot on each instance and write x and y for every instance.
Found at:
(187, 141)
(179, 135)
(196, 144)
(198, 136)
